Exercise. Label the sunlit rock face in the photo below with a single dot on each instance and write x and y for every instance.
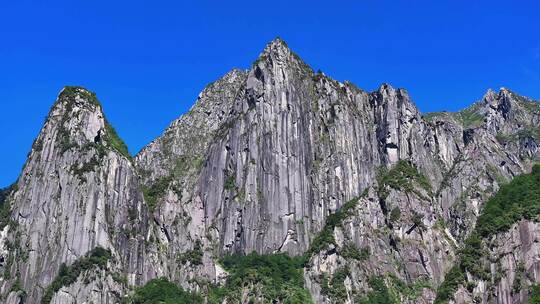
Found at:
(76, 192)
(259, 163)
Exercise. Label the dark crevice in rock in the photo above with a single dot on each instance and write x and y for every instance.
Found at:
(468, 136)
(423, 261)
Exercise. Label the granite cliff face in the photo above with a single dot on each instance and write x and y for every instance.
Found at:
(375, 196)
(77, 191)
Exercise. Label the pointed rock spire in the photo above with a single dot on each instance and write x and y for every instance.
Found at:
(78, 94)
(278, 53)
(385, 89)
(492, 97)
(76, 120)
(276, 46)
(74, 195)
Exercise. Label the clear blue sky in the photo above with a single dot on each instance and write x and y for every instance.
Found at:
(148, 60)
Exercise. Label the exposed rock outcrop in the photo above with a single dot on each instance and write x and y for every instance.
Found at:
(78, 191)
(262, 162)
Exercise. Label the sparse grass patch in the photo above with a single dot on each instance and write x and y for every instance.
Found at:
(229, 183)
(469, 117)
(395, 214)
(409, 291)
(534, 294)
(432, 115)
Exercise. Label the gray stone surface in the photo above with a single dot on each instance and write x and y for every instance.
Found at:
(75, 193)
(258, 164)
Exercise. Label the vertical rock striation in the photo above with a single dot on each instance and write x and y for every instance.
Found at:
(292, 146)
(376, 196)
(78, 191)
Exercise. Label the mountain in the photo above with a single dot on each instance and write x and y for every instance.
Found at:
(280, 185)
(78, 191)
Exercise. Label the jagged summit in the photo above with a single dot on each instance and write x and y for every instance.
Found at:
(278, 53)
(276, 45)
(276, 48)
(493, 106)
(490, 93)
(505, 99)
(78, 90)
(77, 95)
(366, 192)
(493, 94)
(77, 120)
(503, 92)
(78, 191)
(385, 87)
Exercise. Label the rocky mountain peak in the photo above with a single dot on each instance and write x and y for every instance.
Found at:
(277, 46)
(504, 95)
(395, 100)
(79, 95)
(504, 105)
(88, 197)
(509, 96)
(277, 55)
(75, 116)
(276, 159)
(489, 95)
(233, 75)
(77, 120)
(386, 90)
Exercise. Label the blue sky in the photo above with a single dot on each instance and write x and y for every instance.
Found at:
(148, 60)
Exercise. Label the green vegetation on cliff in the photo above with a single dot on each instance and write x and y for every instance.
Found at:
(469, 117)
(534, 294)
(401, 176)
(326, 236)
(254, 278)
(279, 276)
(67, 275)
(161, 291)
(5, 205)
(115, 141)
(334, 287)
(69, 96)
(379, 294)
(193, 256)
(517, 200)
(270, 277)
(156, 191)
(71, 92)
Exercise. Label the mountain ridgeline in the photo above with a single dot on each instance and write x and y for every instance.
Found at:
(280, 185)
